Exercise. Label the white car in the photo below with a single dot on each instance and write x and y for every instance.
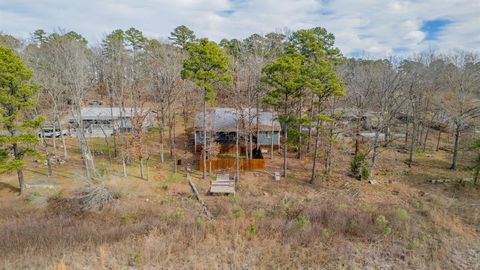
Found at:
(48, 133)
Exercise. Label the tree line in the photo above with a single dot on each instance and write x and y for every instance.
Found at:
(301, 76)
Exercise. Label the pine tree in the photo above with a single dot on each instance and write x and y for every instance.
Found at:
(206, 67)
(17, 97)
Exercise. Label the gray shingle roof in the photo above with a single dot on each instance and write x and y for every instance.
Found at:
(225, 119)
(104, 113)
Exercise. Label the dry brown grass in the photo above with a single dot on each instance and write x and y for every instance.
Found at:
(337, 223)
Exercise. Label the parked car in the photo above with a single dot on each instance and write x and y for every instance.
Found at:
(48, 133)
(96, 102)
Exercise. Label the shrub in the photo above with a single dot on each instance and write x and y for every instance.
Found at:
(201, 224)
(237, 213)
(95, 197)
(302, 222)
(343, 207)
(382, 223)
(413, 245)
(259, 213)
(365, 172)
(252, 230)
(416, 203)
(137, 258)
(359, 168)
(179, 213)
(402, 214)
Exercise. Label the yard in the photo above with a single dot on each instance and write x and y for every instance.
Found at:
(403, 221)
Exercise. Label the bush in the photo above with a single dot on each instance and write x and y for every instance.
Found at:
(259, 213)
(252, 230)
(179, 214)
(95, 197)
(382, 223)
(359, 168)
(237, 213)
(302, 222)
(201, 224)
(413, 245)
(402, 214)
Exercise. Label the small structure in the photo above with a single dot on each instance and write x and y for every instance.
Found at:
(104, 121)
(223, 185)
(221, 125)
(50, 129)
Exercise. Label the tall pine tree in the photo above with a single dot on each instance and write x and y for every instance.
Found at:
(17, 97)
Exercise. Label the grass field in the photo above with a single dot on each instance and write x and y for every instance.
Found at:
(403, 222)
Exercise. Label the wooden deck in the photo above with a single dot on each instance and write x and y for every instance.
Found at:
(223, 185)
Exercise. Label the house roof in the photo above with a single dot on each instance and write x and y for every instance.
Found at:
(105, 113)
(224, 119)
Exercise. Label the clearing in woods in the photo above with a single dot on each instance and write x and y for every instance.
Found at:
(402, 221)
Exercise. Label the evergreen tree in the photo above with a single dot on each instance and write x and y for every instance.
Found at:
(207, 66)
(17, 97)
(181, 36)
(285, 77)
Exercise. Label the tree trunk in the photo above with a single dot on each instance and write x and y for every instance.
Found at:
(272, 141)
(148, 170)
(251, 145)
(162, 126)
(315, 153)
(142, 170)
(357, 135)
(375, 151)
(47, 154)
(312, 114)
(285, 152)
(161, 153)
(174, 149)
(412, 144)
(64, 145)
(21, 181)
(237, 154)
(285, 144)
(86, 153)
(257, 126)
(170, 138)
(438, 140)
(427, 131)
(420, 134)
(477, 171)
(406, 132)
(247, 155)
(115, 153)
(170, 130)
(300, 141)
(455, 147)
(124, 164)
(328, 156)
(204, 147)
(54, 138)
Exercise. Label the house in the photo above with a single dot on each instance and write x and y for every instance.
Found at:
(221, 126)
(104, 121)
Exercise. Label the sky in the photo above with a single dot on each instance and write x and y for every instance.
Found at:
(361, 27)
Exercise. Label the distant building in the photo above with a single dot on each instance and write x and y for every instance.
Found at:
(104, 121)
(222, 127)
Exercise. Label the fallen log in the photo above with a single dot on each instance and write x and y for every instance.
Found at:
(204, 208)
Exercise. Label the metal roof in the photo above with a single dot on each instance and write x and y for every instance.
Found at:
(223, 119)
(106, 113)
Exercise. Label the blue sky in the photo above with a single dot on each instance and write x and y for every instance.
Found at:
(433, 28)
(368, 27)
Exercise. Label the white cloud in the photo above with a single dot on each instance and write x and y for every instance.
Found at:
(375, 27)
